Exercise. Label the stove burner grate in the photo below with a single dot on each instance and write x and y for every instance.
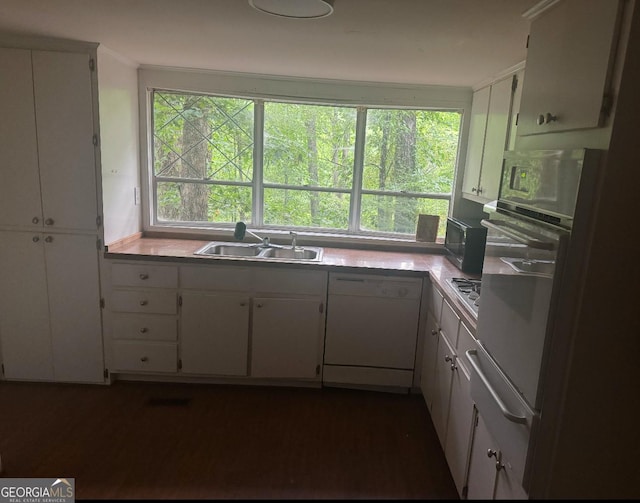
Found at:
(468, 290)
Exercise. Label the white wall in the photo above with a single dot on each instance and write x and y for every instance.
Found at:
(119, 144)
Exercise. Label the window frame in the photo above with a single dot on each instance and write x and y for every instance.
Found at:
(298, 91)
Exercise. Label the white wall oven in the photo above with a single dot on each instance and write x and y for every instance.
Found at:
(527, 242)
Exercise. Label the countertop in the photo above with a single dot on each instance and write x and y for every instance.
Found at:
(435, 266)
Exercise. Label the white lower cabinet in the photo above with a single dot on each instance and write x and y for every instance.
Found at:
(50, 324)
(459, 428)
(490, 475)
(429, 355)
(445, 384)
(252, 321)
(214, 331)
(142, 318)
(138, 356)
(285, 337)
(216, 320)
(445, 359)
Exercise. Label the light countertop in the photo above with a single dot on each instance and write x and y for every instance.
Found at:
(433, 265)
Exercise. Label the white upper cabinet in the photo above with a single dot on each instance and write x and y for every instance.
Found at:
(20, 187)
(475, 146)
(48, 165)
(569, 61)
(492, 124)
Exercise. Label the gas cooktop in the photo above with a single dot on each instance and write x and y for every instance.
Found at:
(468, 291)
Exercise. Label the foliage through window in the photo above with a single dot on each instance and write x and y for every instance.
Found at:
(309, 174)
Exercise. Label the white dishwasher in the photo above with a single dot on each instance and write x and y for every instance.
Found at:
(372, 329)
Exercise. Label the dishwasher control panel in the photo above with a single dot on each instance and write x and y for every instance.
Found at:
(371, 285)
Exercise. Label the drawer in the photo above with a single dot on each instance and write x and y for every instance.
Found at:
(145, 327)
(215, 277)
(144, 301)
(146, 276)
(466, 341)
(449, 323)
(435, 303)
(291, 281)
(145, 356)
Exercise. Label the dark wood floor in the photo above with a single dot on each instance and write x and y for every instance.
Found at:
(175, 441)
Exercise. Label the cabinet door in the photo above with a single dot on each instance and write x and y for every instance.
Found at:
(214, 333)
(64, 118)
(482, 468)
(495, 142)
(507, 485)
(444, 375)
(24, 308)
(429, 355)
(475, 148)
(515, 110)
(20, 187)
(568, 66)
(74, 304)
(459, 428)
(286, 338)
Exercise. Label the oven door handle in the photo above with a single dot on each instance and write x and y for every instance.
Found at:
(520, 237)
(471, 355)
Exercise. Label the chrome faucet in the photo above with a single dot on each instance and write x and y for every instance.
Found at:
(241, 229)
(294, 236)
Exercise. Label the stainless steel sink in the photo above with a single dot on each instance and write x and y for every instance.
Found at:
(229, 250)
(275, 252)
(291, 253)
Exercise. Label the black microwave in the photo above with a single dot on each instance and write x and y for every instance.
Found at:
(464, 244)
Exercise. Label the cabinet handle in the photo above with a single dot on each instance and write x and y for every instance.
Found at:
(480, 190)
(143, 302)
(492, 454)
(144, 276)
(35, 239)
(473, 189)
(48, 221)
(243, 304)
(144, 359)
(144, 330)
(546, 118)
(35, 220)
(447, 358)
(434, 332)
(48, 239)
(453, 367)
(259, 305)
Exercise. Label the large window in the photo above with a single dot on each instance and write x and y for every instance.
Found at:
(327, 168)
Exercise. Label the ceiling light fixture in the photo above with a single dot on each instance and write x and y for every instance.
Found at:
(299, 9)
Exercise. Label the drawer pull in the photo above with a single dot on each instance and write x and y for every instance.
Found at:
(144, 276)
(143, 302)
(144, 330)
(144, 359)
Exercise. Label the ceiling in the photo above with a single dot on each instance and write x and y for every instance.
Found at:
(440, 42)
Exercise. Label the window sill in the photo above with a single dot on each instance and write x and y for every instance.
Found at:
(304, 238)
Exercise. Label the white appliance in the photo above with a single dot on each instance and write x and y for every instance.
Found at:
(529, 232)
(372, 327)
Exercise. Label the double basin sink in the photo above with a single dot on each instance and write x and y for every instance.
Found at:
(258, 251)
